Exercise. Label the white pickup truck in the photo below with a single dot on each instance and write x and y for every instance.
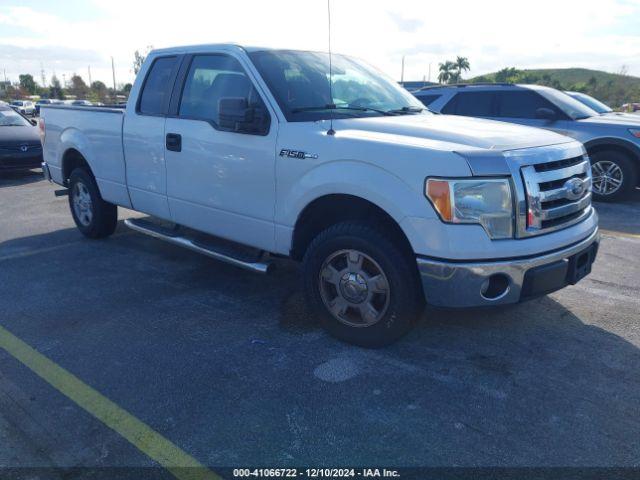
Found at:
(244, 154)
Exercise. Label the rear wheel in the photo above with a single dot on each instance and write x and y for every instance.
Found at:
(614, 175)
(363, 288)
(94, 217)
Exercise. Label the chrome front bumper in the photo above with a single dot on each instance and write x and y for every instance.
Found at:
(471, 284)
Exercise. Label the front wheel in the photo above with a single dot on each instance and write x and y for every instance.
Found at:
(363, 288)
(614, 175)
(94, 217)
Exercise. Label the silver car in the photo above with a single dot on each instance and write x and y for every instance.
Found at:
(612, 141)
(25, 107)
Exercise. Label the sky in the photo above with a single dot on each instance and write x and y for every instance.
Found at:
(71, 36)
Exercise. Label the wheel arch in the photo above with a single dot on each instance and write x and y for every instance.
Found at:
(623, 146)
(72, 158)
(334, 208)
(619, 145)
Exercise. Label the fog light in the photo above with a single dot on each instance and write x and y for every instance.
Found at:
(495, 286)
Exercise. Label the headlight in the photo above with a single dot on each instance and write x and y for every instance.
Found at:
(482, 201)
(635, 132)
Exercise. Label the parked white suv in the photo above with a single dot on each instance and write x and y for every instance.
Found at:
(245, 153)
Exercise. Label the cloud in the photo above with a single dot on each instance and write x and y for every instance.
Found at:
(58, 54)
(405, 24)
(493, 34)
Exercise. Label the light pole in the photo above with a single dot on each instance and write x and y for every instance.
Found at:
(113, 72)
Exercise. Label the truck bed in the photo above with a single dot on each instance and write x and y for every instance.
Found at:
(97, 132)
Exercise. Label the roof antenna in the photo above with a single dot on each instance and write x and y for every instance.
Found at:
(331, 131)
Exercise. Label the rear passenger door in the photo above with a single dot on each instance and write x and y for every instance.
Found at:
(221, 171)
(144, 139)
(472, 104)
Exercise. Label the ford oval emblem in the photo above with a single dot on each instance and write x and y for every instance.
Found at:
(574, 188)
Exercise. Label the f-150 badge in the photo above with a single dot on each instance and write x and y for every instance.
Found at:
(297, 154)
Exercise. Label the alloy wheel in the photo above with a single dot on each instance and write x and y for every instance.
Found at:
(607, 177)
(82, 205)
(354, 288)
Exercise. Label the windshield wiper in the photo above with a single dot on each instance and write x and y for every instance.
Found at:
(340, 107)
(405, 110)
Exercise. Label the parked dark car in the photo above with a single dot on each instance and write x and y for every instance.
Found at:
(20, 147)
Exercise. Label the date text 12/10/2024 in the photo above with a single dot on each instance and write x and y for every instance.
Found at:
(315, 473)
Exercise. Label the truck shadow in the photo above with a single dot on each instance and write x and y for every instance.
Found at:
(21, 177)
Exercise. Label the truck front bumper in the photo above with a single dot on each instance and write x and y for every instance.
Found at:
(500, 282)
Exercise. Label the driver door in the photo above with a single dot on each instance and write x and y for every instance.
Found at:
(221, 179)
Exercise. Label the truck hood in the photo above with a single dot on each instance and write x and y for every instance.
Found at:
(451, 130)
(622, 120)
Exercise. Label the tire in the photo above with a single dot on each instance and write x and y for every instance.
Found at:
(353, 286)
(94, 217)
(610, 167)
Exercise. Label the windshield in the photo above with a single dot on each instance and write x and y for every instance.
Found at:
(591, 102)
(572, 107)
(9, 118)
(17, 103)
(300, 83)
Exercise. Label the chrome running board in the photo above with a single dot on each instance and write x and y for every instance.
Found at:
(260, 265)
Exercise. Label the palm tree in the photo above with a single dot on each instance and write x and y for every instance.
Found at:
(461, 64)
(447, 70)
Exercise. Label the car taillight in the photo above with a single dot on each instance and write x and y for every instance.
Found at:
(42, 130)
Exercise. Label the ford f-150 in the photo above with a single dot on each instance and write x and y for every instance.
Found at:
(245, 154)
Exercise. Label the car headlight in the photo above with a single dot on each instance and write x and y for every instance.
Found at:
(486, 202)
(635, 132)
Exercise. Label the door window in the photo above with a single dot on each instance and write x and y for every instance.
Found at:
(218, 90)
(471, 104)
(521, 104)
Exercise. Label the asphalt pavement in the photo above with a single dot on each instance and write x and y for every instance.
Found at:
(229, 367)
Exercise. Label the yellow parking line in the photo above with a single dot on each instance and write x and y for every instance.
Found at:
(613, 233)
(147, 440)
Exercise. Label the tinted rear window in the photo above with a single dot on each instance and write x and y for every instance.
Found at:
(157, 87)
(472, 104)
(427, 99)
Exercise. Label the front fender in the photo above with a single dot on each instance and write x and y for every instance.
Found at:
(625, 144)
(351, 177)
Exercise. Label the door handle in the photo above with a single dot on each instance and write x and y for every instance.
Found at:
(174, 142)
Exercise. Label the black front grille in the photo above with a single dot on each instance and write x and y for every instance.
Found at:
(552, 185)
(21, 148)
(568, 162)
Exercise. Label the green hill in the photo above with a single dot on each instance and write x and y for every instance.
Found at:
(612, 88)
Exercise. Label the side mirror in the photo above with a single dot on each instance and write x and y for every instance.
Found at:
(546, 114)
(236, 115)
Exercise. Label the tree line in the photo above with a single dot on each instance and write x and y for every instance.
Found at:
(614, 91)
(76, 88)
